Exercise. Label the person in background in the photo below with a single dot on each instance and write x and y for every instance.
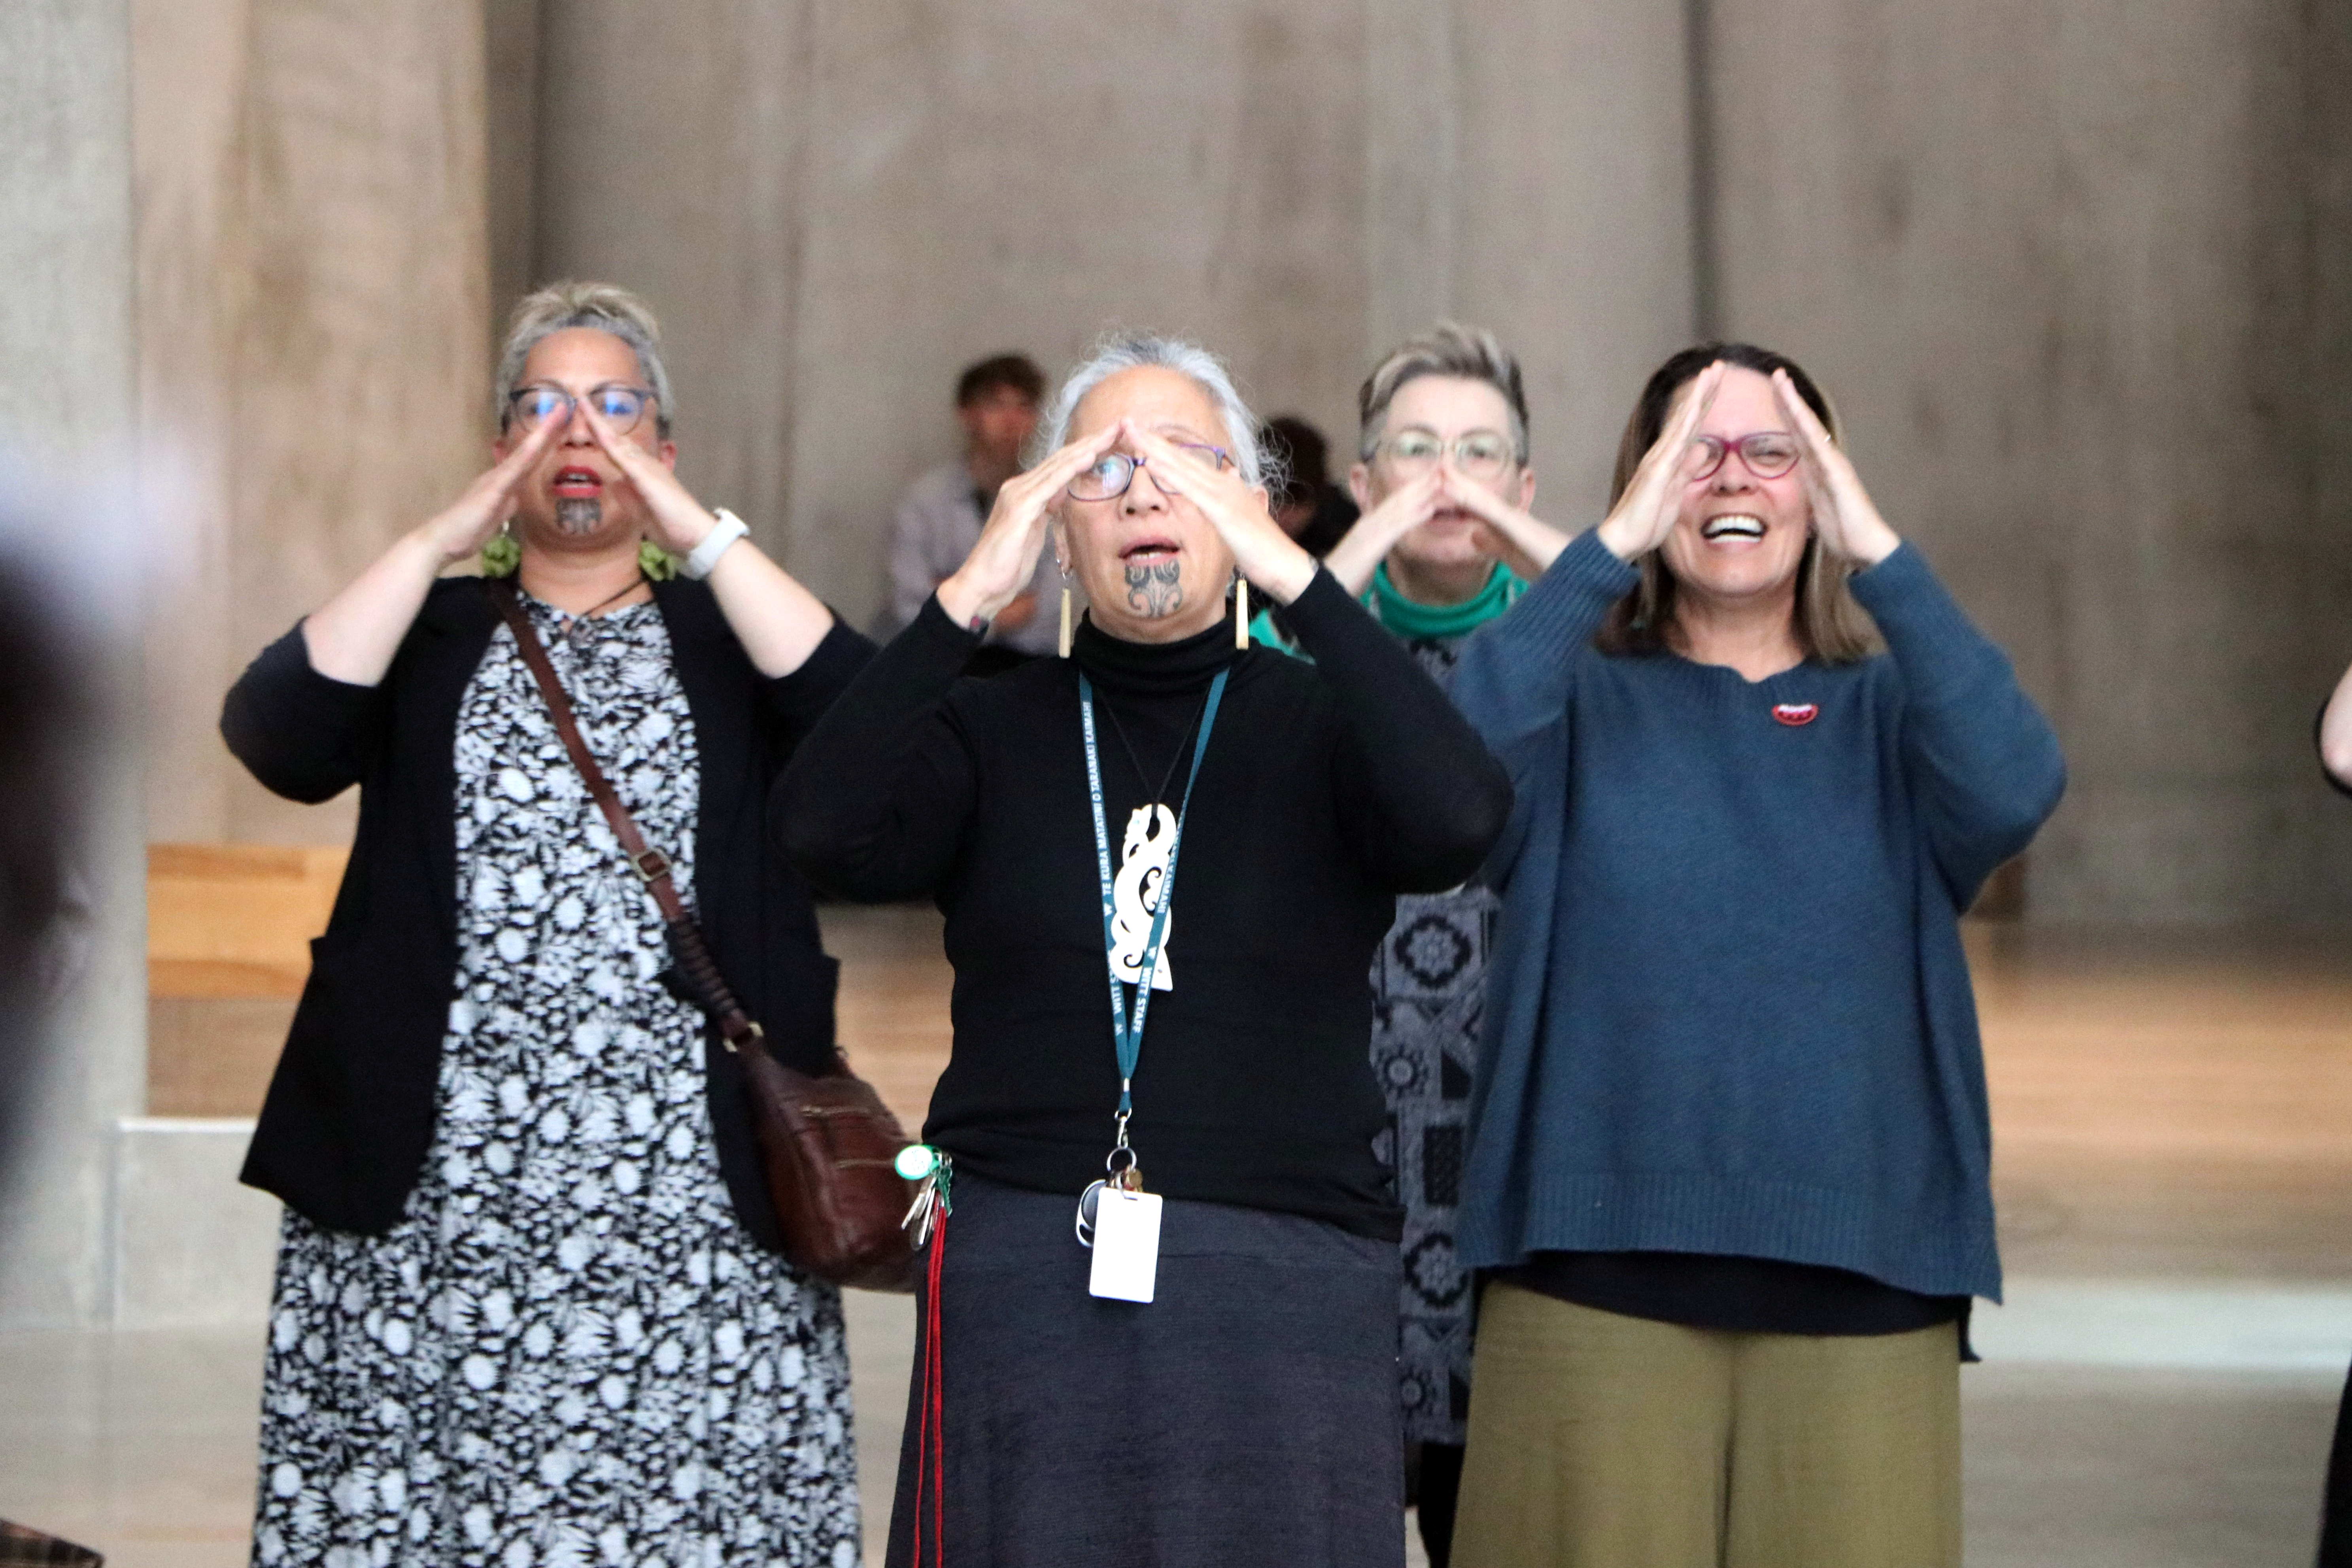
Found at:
(531, 1305)
(1445, 480)
(1247, 1412)
(1729, 1166)
(941, 514)
(1309, 507)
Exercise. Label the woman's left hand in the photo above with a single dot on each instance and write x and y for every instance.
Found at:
(1268, 557)
(1524, 542)
(678, 523)
(1848, 525)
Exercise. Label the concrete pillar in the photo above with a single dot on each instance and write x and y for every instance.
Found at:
(668, 161)
(313, 314)
(1573, 209)
(67, 404)
(2054, 265)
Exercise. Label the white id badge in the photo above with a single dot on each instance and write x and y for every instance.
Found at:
(1127, 1246)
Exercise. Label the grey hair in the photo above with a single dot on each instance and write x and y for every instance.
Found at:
(605, 306)
(1449, 348)
(1119, 352)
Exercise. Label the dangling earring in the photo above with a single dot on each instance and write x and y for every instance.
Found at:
(658, 565)
(502, 556)
(1065, 609)
(1241, 612)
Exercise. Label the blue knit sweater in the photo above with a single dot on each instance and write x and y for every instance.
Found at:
(1728, 1008)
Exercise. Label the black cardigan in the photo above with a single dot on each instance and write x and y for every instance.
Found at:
(1327, 789)
(351, 1109)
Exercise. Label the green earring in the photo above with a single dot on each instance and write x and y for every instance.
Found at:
(658, 565)
(502, 556)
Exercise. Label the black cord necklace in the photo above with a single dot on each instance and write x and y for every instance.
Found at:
(577, 632)
(1161, 796)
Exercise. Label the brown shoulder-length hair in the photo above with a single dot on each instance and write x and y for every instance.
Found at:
(1831, 627)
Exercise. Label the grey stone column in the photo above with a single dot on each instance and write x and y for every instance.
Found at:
(67, 404)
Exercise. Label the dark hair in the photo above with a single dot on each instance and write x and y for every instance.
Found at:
(1305, 456)
(1018, 372)
(1831, 627)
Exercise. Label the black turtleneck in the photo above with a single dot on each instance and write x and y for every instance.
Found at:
(1327, 789)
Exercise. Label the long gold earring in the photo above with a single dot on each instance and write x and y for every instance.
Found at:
(1065, 612)
(1241, 612)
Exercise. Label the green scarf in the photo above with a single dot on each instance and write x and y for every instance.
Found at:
(1417, 621)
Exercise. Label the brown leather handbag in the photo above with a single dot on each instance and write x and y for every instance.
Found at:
(828, 1142)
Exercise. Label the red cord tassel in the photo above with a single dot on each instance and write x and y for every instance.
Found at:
(930, 1437)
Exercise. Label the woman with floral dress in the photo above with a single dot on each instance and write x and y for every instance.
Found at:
(529, 1309)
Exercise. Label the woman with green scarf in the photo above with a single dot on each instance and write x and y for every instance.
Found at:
(1444, 545)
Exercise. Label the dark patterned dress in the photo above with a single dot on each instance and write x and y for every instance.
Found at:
(1429, 986)
(568, 1353)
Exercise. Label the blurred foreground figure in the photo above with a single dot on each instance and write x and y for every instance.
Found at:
(528, 1307)
(1730, 1159)
(940, 514)
(1214, 1384)
(1444, 477)
(41, 911)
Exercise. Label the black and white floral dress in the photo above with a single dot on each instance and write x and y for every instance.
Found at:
(568, 1353)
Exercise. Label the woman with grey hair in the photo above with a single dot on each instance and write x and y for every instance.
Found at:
(529, 1307)
(1444, 545)
(1216, 1378)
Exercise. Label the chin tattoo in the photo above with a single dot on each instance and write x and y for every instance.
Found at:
(1153, 592)
(578, 515)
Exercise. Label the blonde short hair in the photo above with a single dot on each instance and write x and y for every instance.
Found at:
(606, 307)
(1448, 349)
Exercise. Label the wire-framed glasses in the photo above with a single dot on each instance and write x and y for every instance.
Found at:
(1768, 454)
(1113, 471)
(1481, 454)
(621, 405)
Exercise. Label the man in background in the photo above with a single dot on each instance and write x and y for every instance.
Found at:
(941, 514)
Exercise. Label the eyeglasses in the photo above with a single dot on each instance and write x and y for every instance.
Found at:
(1481, 454)
(1113, 472)
(621, 405)
(1768, 454)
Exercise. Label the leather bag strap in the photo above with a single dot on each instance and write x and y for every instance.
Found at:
(652, 868)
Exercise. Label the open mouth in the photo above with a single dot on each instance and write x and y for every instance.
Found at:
(1732, 525)
(577, 484)
(1149, 551)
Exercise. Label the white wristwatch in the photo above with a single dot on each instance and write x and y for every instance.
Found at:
(714, 544)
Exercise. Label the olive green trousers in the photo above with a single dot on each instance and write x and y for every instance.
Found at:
(1601, 1441)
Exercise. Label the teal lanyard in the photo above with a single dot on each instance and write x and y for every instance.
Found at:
(1130, 1042)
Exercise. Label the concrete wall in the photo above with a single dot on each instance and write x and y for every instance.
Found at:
(2055, 263)
(313, 311)
(66, 408)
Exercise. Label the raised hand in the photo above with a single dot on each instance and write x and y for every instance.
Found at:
(1001, 566)
(1526, 544)
(1644, 515)
(678, 523)
(463, 527)
(1845, 519)
(1268, 557)
(1366, 544)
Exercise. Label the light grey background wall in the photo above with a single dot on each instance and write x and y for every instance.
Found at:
(2058, 265)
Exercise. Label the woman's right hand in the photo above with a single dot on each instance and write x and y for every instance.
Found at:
(466, 524)
(1368, 542)
(1644, 515)
(1004, 561)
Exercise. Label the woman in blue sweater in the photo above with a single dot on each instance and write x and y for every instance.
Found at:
(1728, 1172)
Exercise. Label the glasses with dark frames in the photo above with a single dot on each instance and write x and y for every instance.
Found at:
(621, 405)
(1113, 472)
